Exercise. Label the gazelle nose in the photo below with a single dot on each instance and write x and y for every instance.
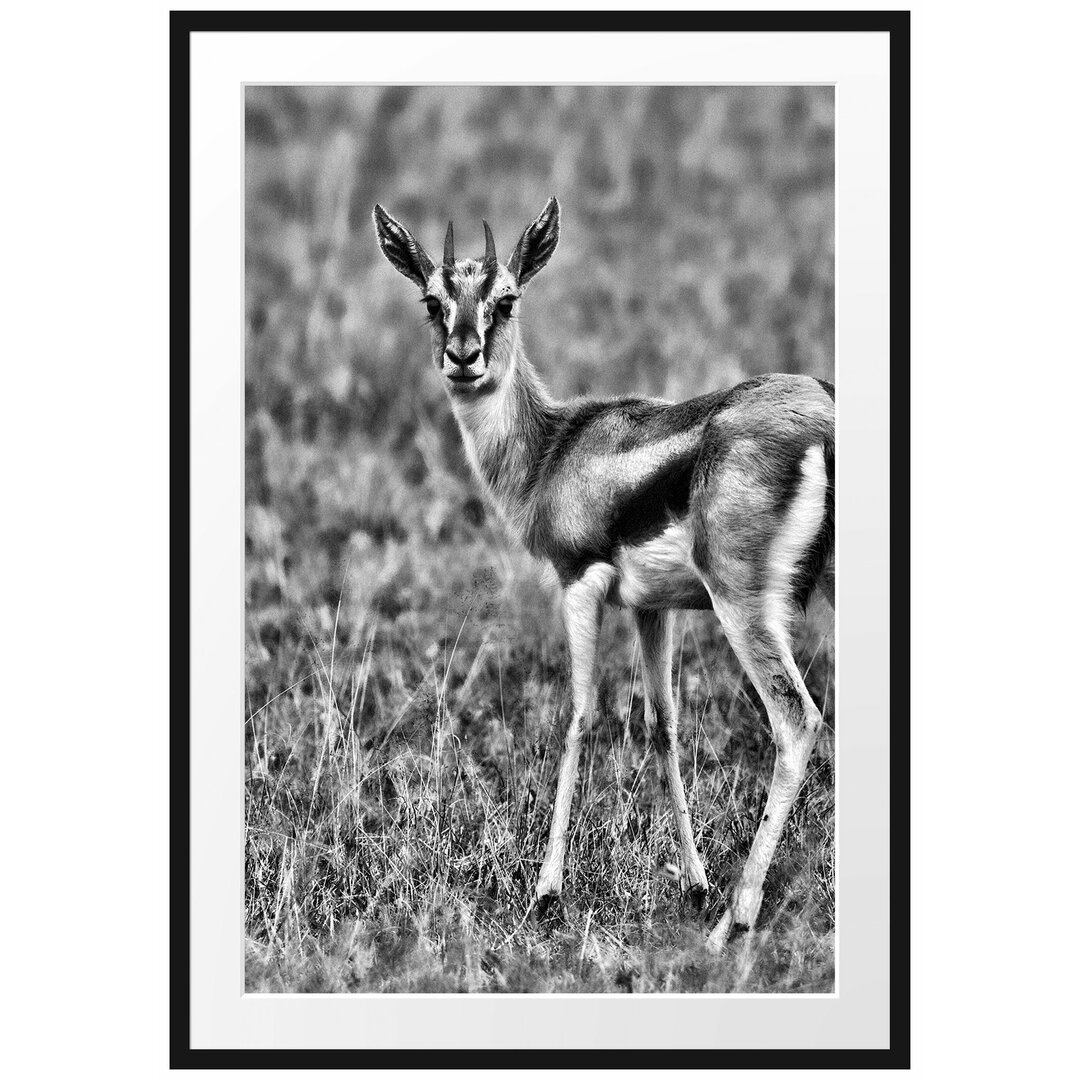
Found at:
(462, 361)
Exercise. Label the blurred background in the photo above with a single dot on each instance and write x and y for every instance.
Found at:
(696, 250)
(382, 601)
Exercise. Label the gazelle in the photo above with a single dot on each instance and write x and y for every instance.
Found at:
(722, 502)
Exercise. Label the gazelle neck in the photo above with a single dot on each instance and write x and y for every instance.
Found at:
(506, 434)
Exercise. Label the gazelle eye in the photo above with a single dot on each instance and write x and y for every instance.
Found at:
(434, 307)
(505, 307)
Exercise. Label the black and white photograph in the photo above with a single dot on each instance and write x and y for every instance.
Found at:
(539, 489)
(510, 518)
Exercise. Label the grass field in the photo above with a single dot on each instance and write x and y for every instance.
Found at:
(401, 775)
(406, 668)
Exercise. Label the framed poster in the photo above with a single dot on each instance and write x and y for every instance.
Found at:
(540, 448)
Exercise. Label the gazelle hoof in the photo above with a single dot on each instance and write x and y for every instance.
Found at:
(694, 897)
(549, 907)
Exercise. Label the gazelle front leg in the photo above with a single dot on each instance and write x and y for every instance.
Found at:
(661, 721)
(582, 608)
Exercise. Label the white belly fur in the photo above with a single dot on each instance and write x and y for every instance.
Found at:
(659, 573)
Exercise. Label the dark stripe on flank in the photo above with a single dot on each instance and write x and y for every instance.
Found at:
(650, 508)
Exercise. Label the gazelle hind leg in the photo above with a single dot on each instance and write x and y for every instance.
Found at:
(757, 531)
(765, 653)
(661, 720)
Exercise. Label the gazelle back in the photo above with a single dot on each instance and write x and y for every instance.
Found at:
(722, 502)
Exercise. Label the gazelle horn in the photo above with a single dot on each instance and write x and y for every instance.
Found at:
(490, 259)
(448, 246)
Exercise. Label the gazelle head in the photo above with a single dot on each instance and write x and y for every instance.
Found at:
(471, 303)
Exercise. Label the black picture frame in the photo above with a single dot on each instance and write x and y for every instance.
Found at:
(897, 25)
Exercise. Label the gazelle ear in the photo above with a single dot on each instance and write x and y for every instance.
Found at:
(403, 252)
(537, 244)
